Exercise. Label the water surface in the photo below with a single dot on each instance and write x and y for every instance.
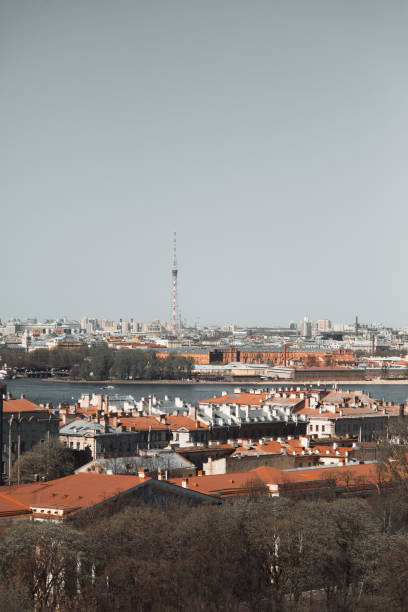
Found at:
(40, 391)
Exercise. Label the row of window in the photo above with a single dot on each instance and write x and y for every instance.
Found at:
(323, 429)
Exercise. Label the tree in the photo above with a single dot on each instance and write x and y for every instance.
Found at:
(85, 368)
(101, 362)
(138, 364)
(393, 575)
(123, 364)
(176, 367)
(48, 564)
(50, 459)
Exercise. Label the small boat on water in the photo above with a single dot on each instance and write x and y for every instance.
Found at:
(5, 374)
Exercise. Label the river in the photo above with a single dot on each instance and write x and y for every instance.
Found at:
(40, 391)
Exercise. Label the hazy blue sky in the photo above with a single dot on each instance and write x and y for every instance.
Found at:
(271, 135)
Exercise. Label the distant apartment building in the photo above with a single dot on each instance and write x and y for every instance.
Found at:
(332, 413)
(306, 328)
(152, 327)
(323, 325)
(283, 453)
(124, 328)
(113, 436)
(320, 413)
(252, 415)
(185, 430)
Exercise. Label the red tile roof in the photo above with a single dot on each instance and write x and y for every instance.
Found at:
(245, 399)
(140, 423)
(21, 405)
(347, 474)
(70, 494)
(236, 483)
(222, 485)
(89, 412)
(10, 507)
(269, 447)
(227, 485)
(177, 421)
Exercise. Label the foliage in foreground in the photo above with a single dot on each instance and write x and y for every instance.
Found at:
(251, 555)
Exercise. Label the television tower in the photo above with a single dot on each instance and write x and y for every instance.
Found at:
(174, 288)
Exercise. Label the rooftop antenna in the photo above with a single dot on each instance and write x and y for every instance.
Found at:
(174, 272)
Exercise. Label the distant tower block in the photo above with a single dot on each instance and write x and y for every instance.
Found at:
(174, 288)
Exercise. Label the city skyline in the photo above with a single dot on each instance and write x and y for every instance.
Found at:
(318, 324)
(267, 137)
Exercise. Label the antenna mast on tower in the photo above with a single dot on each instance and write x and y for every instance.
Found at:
(174, 288)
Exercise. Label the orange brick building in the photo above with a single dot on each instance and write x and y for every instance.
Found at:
(285, 356)
(291, 356)
(199, 357)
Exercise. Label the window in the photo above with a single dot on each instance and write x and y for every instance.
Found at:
(323, 428)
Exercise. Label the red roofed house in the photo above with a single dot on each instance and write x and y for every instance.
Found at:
(75, 496)
(334, 481)
(332, 413)
(184, 429)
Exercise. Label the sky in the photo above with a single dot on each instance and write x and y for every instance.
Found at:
(270, 135)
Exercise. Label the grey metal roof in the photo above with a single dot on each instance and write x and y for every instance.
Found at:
(79, 427)
(159, 461)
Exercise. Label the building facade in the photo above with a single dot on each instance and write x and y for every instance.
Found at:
(24, 425)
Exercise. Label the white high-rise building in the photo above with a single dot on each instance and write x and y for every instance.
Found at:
(323, 325)
(306, 328)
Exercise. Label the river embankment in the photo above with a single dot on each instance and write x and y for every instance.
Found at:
(286, 382)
